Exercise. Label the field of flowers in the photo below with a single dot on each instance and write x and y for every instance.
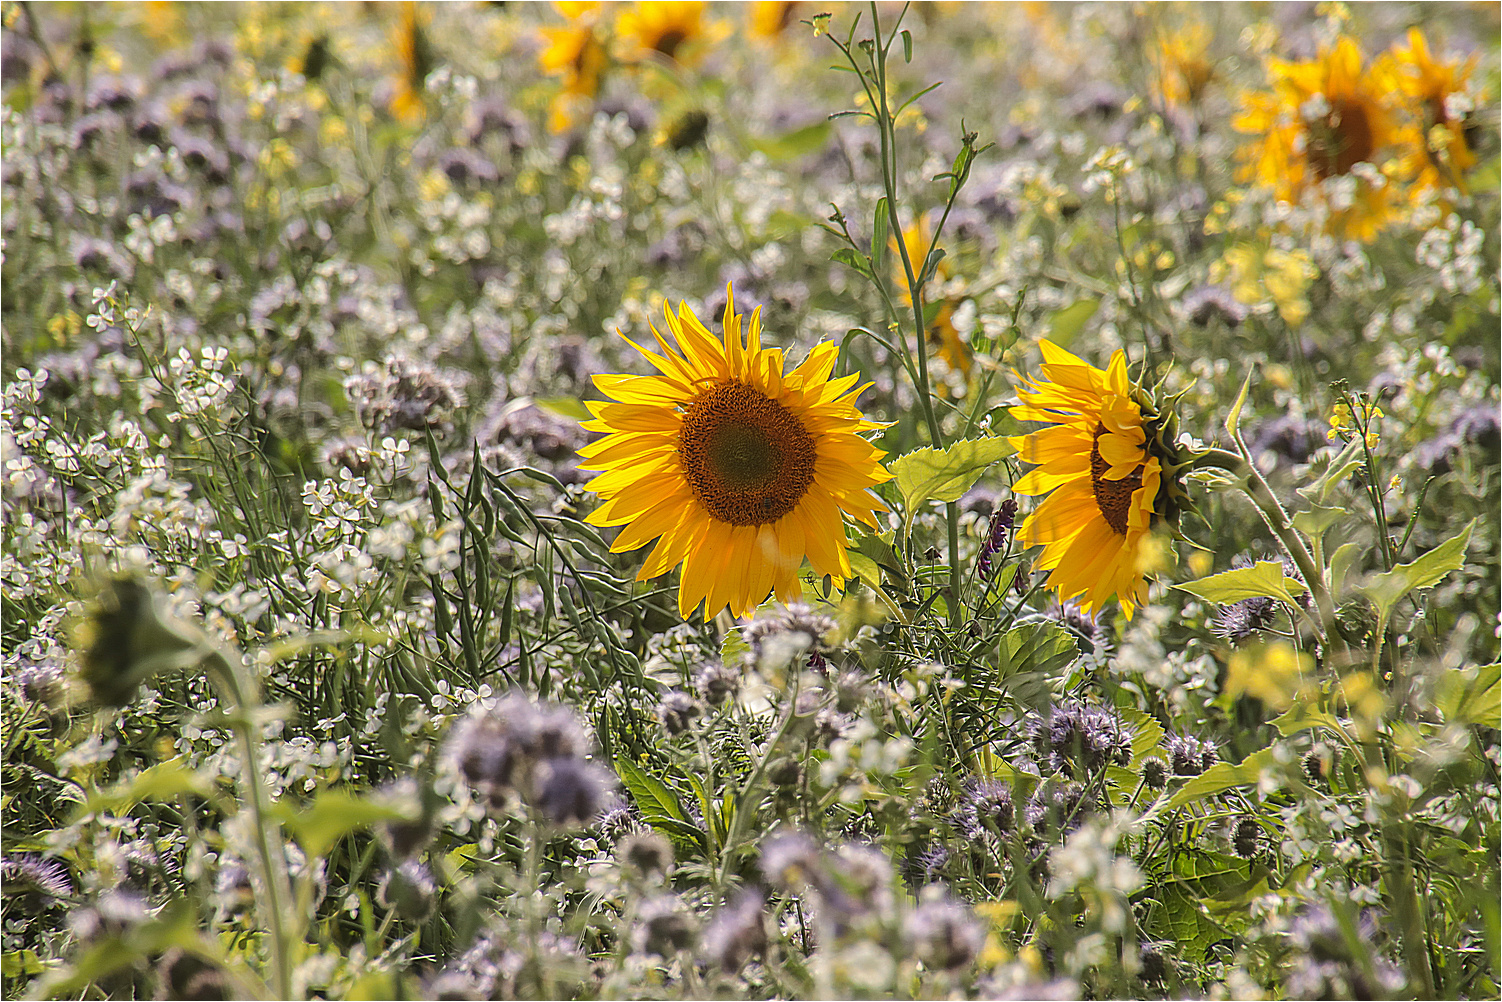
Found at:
(679, 500)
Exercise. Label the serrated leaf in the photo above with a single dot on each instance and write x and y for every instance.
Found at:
(733, 648)
(1386, 589)
(652, 797)
(1147, 733)
(1340, 467)
(930, 475)
(1264, 579)
(1470, 696)
(1221, 777)
(334, 814)
(865, 568)
(1066, 322)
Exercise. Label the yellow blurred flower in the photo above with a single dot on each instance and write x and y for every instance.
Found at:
(414, 54)
(575, 52)
(1274, 673)
(770, 17)
(1436, 154)
(1259, 275)
(674, 29)
(1321, 120)
(1181, 66)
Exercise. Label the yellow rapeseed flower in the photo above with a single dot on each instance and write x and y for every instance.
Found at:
(1108, 466)
(737, 469)
(1320, 120)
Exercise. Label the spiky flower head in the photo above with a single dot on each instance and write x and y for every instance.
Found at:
(1080, 738)
(1110, 465)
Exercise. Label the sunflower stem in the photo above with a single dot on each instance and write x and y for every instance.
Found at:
(1256, 488)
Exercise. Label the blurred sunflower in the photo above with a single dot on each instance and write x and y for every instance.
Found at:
(769, 18)
(1438, 156)
(1181, 65)
(737, 469)
(942, 333)
(415, 58)
(675, 29)
(576, 53)
(1321, 120)
(1110, 463)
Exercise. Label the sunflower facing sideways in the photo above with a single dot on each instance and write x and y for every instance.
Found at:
(737, 469)
(1110, 463)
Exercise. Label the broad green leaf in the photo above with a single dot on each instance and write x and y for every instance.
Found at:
(568, 407)
(164, 781)
(20, 962)
(1470, 696)
(797, 143)
(856, 261)
(1314, 522)
(1340, 467)
(1341, 562)
(1301, 717)
(865, 568)
(930, 475)
(1223, 776)
(1067, 321)
(1147, 733)
(733, 647)
(336, 813)
(659, 806)
(1386, 589)
(1265, 579)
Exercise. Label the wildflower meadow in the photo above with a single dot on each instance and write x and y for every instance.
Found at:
(673, 500)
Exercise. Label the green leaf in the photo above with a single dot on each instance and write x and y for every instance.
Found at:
(1386, 589)
(165, 781)
(1314, 522)
(336, 813)
(652, 796)
(20, 962)
(1340, 467)
(1233, 419)
(907, 46)
(1147, 733)
(879, 233)
(1221, 777)
(848, 256)
(1341, 562)
(1028, 658)
(794, 144)
(1264, 579)
(568, 407)
(930, 475)
(1067, 321)
(865, 568)
(733, 647)
(1300, 717)
(1470, 696)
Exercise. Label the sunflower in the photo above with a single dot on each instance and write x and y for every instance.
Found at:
(674, 29)
(1439, 154)
(1109, 461)
(576, 53)
(1321, 120)
(770, 17)
(1182, 67)
(415, 54)
(738, 469)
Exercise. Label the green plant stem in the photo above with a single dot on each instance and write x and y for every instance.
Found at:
(228, 671)
(1267, 504)
(743, 800)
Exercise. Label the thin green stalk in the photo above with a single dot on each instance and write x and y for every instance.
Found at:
(241, 691)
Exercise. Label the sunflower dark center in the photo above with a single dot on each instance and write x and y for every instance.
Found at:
(669, 41)
(747, 458)
(1340, 140)
(1112, 497)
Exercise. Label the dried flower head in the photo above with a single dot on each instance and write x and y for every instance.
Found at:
(678, 711)
(943, 934)
(1080, 738)
(1154, 773)
(737, 932)
(647, 853)
(717, 683)
(665, 926)
(1189, 755)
